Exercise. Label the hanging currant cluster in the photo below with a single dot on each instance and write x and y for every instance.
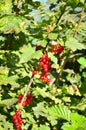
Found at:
(26, 101)
(45, 66)
(17, 120)
(57, 49)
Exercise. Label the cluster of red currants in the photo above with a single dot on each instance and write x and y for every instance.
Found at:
(45, 65)
(17, 120)
(57, 49)
(27, 101)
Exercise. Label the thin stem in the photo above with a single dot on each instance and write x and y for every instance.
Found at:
(17, 7)
(57, 22)
(60, 16)
(62, 65)
(78, 25)
(9, 42)
(74, 35)
(25, 67)
(46, 47)
(18, 4)
(27, 89)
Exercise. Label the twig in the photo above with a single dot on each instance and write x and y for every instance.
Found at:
(26, 69)
(27, 89)
(18, 4)
(60, 16)
(62, 65)
(46, 47)
(17, 7)
(75, 33)
(78, 25)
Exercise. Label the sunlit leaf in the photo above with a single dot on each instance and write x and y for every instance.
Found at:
(13, 24)
(78, 122)
(82, 61)
(74, 45)
(60, 111)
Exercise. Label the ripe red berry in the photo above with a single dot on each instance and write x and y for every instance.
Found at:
(57, 49)
(34, 72)
(29, 99)
(45, 79)
(20, 98)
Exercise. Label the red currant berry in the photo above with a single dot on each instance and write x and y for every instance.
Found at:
(34, 72)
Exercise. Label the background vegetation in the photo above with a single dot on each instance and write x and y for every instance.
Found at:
(24, 25)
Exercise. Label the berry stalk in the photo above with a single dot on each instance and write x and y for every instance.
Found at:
(27, 89)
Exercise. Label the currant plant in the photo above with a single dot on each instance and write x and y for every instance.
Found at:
(42, 65)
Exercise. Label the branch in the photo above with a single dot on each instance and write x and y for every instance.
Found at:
(18, 4)
(64, 60)
(46, 47)
(57, 22)
(75, 33)
(17, 7)
(60, 16)
(27, 89)
(78, 25)
(26, 69)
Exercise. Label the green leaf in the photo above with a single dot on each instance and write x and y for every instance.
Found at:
(13, 24)
(7, 125)
(37, 54)
(1, 128)
(72, 79)
(2, 117)
(84, 74)
(42, 92)
(2, 38)
(4, 71)
(52, 57)
(4, 79)
(26, 54)
(82, 1)
(60, 111)
(51, 1)
(52, 36)
(42, 43)
(34, 127)
(8, 102)
(40, 109)
(78, 122)
(74, 3)
(82, 61)
(5, 7)
(74, 45)
(83, 87)
(44, 127)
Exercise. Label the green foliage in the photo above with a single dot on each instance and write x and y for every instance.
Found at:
(60, 104)
(78, 122)
(5, 7)
(17, 24)
(82, 61)
(74, 45)
(60, 111)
